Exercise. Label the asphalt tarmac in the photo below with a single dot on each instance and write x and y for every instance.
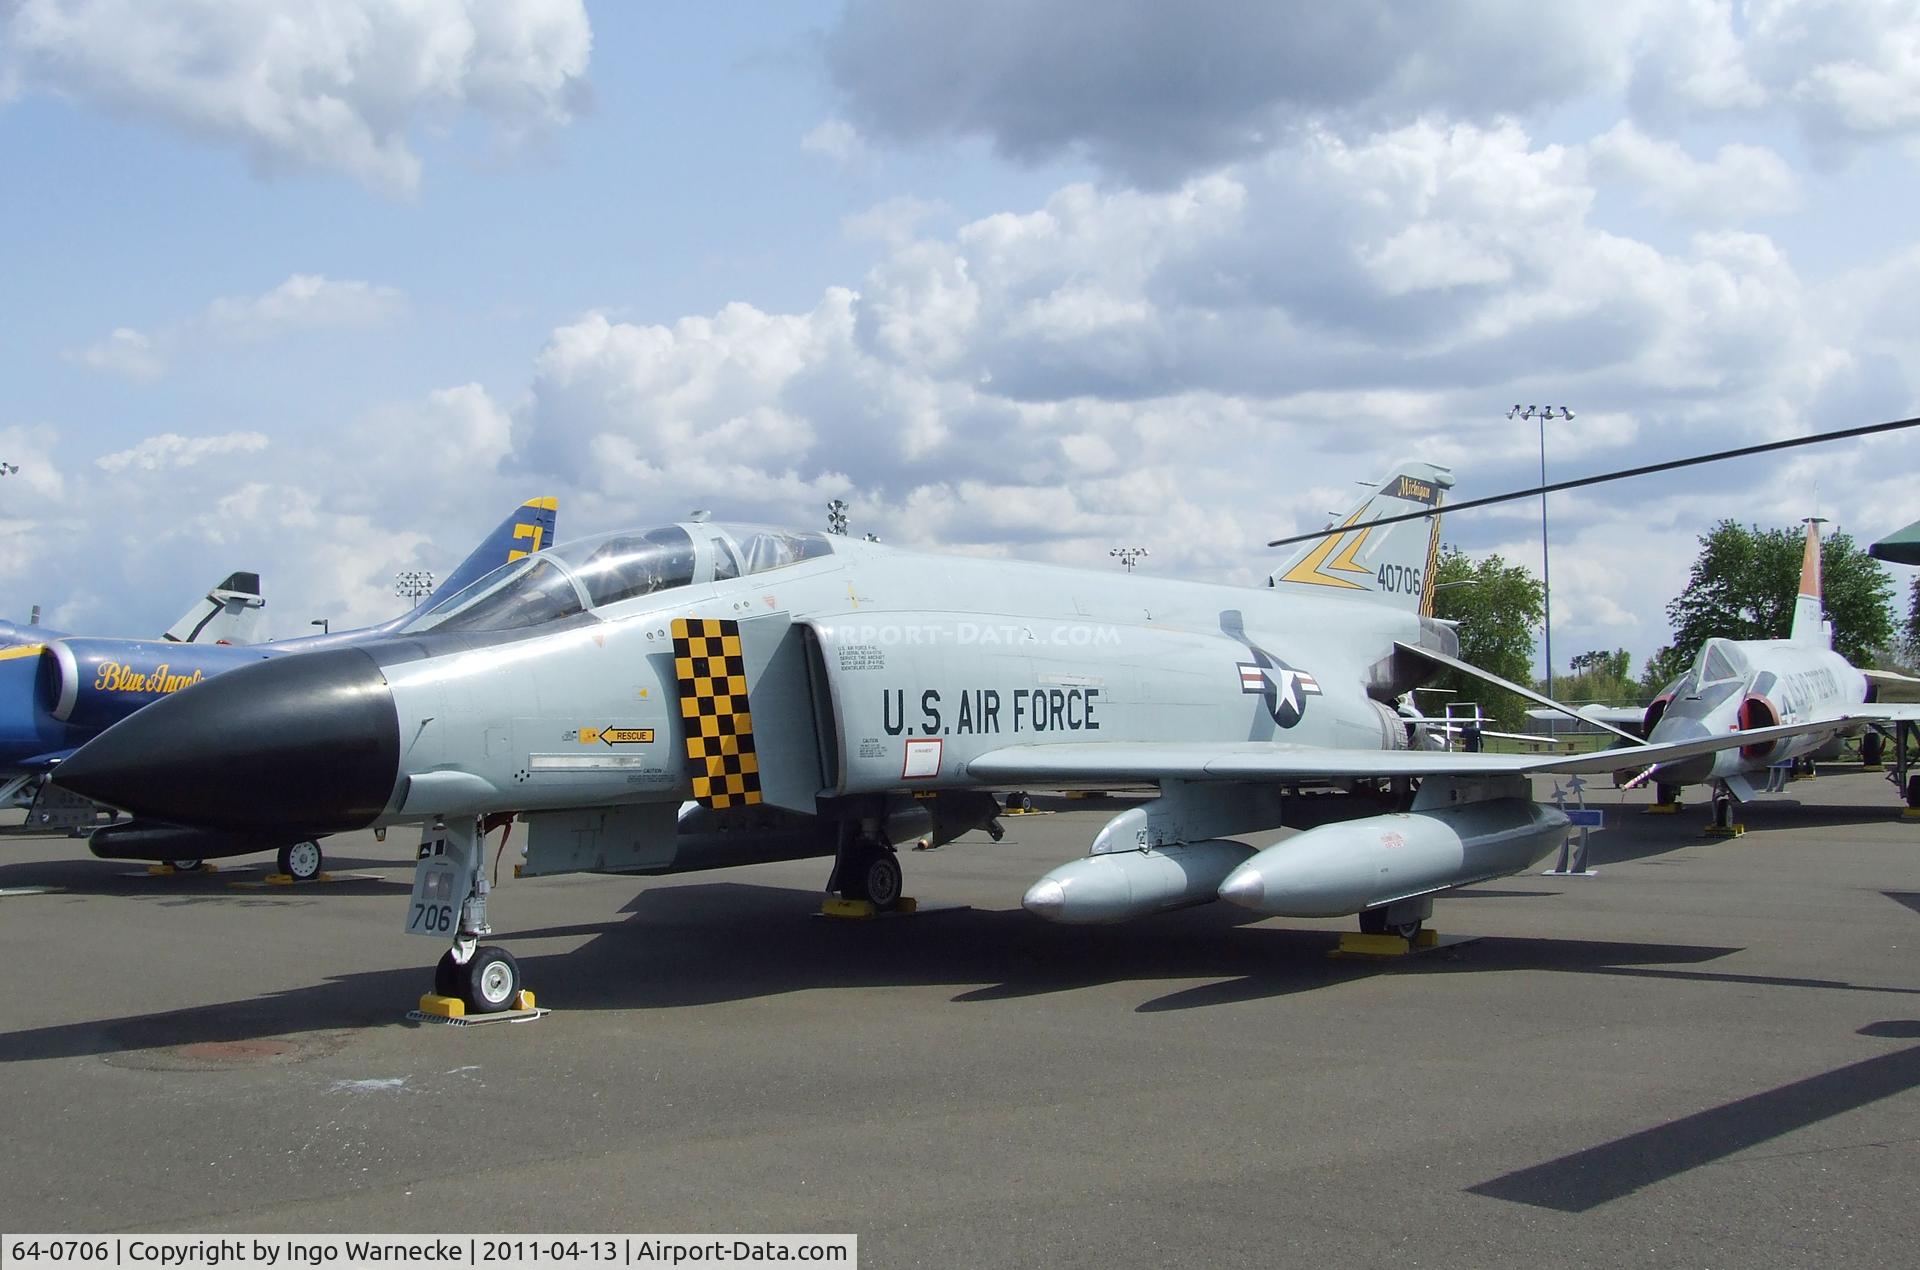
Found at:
(1706, 1055)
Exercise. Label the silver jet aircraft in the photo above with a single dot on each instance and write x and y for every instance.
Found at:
(1744, 685)
(807, 695)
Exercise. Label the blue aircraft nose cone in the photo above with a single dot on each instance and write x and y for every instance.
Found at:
(306, 743)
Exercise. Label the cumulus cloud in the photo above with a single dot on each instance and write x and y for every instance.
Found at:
(1739, 182)
(126, 352)
(1155, 93)
(170, 451)
(836, 140)
(1204, 367)
(331, 85)
(302, 302)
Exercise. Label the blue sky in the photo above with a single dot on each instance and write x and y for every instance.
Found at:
(323, 298)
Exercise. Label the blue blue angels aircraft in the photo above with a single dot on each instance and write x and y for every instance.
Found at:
(59, 691)
(227, 614)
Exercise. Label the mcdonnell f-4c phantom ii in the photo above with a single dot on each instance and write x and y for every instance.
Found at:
(701, 695)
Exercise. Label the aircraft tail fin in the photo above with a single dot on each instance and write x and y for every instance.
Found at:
(527, 529)
(1392, 565)
(1809, 624)
(228, 614)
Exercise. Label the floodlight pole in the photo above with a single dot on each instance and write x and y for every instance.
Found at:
(1129, 556)
(411, 584)
(1543, 413)
(837, 516)
(324, 625)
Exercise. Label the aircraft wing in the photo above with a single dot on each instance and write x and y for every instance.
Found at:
(1887, 676)
(1117, 761)
(1886, 712)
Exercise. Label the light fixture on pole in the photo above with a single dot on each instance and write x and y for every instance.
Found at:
(322, 623)
(8, 469)
(1129, 556)
(411, 584)
(837, 516)
(1543, 413)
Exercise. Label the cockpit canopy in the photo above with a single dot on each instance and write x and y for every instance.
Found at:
(590, 574)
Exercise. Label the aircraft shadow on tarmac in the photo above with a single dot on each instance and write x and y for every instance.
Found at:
(689, 945)
(244, 877)
(1587, 1179)
(694, 944)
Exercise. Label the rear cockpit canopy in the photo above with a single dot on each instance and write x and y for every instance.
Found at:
(590, 574)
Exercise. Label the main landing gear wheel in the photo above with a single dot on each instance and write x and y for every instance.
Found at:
(302, 861)
(186, 866)
(489, 981)
(1873, 748)
(1373, 921)
(875, 876)
(1913, 791)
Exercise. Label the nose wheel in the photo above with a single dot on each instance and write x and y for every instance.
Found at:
(450, 898)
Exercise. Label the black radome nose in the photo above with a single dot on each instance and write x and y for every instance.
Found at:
(308, 743)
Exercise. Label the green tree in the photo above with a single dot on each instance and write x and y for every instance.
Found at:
(1744, 582)
(1497, 606)
(1599, 675)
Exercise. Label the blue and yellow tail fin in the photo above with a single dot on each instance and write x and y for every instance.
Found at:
(530, 527)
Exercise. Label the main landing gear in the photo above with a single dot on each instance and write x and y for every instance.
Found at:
(450, 898)
(1724, 825)
(1405, 919)
(866, 870)
(302, 861)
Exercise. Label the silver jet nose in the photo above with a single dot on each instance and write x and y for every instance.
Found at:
(307, 743)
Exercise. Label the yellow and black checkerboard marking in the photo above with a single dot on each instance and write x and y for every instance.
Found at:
(712, 676)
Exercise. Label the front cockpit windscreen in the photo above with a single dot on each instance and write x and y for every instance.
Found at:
(525, 593)
(593, 573)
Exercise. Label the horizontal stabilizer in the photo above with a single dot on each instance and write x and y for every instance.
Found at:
(1468, 668)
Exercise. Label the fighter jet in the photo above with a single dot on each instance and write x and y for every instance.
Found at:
(58, 693)
(809, 695)
(1737, 686)
(228, 614)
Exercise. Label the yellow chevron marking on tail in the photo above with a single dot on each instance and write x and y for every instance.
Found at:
(712, 676)
(1308, 570)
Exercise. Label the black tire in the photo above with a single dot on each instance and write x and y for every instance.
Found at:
(490, 981)
(186, 866)
(874, 875)
(1873, 748)
(1913, 791)
(302, 861)
(1408, 931)
(1373, 921)
(446, 975)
